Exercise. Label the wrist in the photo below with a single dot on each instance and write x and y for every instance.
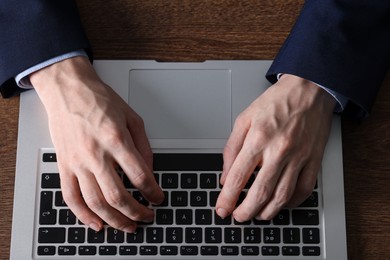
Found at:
(69, 86)
(310, 93)
(67, 77)
(66, 73)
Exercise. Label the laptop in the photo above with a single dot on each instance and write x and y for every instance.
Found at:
(189, 110)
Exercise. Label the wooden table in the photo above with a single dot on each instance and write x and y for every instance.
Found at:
(194, 30)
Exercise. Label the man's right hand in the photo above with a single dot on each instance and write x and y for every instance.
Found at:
(94, 131)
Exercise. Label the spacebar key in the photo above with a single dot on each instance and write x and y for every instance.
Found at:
(51, 235)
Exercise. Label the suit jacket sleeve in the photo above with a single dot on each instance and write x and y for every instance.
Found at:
(33, 31)
(343, 45)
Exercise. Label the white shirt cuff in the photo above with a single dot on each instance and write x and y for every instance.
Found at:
(22, 78)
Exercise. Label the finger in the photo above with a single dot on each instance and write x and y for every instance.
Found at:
(141, 142)
(233, 146)
(305, 183)
(283, 192)
(260, 192)
(95, 200)
(236, 179)
(118, 198)
(72, 196)
(136, 169)
(139, 174)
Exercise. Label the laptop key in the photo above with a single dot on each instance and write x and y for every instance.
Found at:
(291, 236)
(184, 216)
(165, 201)
(290, 250)
(209, 250)
(311, 202)
(59, 200)
(222, 221)
(168, 250)
(49, 157)
(164, 216)
(189, 180)
(203, 216)
(107, 250)
(193, 235)
(305, 217)
(174, 235)
(95, 237)
(51, 235)
(213, 198)
(67, 217)
(76, 235)
(252, 235)
(198, 198)
(282, 218)
(148, 250)
(271, 235)
(208, 181)
(136, 237)
(250, 250)
(229, 250)
(311, 235)
(47, 215)
(189, 250)
(87, 250)
(169, 181)
(213, 235)
(154, 235)
(233, 235)
(127, 250)
(311, 251)
(46, 250)
(50, 181)
(141, 199)
(114, 235)
(179, 198)
(66, 250)
(270, 250)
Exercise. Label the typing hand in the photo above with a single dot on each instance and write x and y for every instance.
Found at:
(284, 131)
(94, 131)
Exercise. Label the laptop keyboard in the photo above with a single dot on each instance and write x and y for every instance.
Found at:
(185, 224)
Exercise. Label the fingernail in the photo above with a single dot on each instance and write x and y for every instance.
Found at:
(222, 212)
(130, 229)
(95, 226)
(237, 218)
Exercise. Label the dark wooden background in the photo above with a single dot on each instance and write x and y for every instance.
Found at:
(195, 30)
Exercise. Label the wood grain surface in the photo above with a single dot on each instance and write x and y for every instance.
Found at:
(196, 30)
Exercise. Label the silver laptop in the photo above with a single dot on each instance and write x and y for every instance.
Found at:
(189, 110)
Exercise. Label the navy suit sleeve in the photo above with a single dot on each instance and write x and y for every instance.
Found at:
(33, 31)
(343, 45)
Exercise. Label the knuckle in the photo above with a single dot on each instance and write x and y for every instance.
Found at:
(138, 178)
(241, 119)
(305, 191)
(136, 216)
(95, 203)
(115, 198)
(136, 120)
(286, 144)
(114, 137)
(262, 194)
(282, 198)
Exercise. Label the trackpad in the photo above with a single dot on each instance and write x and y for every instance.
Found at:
(182, 103)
